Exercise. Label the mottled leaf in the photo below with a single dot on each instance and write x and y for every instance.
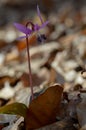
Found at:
(14, 109)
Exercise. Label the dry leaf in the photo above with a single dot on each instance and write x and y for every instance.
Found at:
(1, 127)
(3, 102)
(11, 80)
(36, 80)
(22, 44)
(2, 44)
(43, 110)
(51, 58)
(52, 79)
(83, 128)
(65, 124)
(71, 110)
(66, 40)
(81, 112)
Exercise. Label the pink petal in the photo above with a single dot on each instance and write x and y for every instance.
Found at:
(44, 24)
(39, 14)
(22, 28)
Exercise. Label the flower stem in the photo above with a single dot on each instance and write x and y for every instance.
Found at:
(28, 54)
(29, 67)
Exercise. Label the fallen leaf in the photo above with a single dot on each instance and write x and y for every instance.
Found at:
(6, 120)
(65, 124)
(3, 101)
(1, 126)
(72, 106)
(51, 58)
(36, 79)
(12, 80)
(2, 44)
(43, 110)
(66, 40)
(83, 128)
(81, 112)
(21, 45)
(14, 109)
(52, 79)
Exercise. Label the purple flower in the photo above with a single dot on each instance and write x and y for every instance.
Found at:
(34, 27)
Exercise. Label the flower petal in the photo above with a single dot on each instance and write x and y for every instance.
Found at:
(39, 14)
(36, 27)
(44, 24)
(22, 37)
(22, 28)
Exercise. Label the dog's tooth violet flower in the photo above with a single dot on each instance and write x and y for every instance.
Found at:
(23, 29)
(33, 28)
(28, 30)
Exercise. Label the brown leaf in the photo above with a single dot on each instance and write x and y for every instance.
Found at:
(83, 128)
(3, 102)
(81, 112)
(1, 127)
(66, 40)
(83, 32)
(65, 124)
(36, 80)
(72, 105)
(2, 44)
(43, 110)
(21, 45)
(52, 79)
(51, 58)
(11, 80)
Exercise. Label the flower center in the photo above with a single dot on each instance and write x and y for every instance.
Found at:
(30, 24)
(41, 38)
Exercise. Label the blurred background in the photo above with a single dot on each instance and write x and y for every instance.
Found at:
(22, 10)
(61, 58)
(17, 10)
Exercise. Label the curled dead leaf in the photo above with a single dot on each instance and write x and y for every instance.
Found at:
(43, 110)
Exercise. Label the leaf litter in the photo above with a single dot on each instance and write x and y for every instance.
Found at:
(60, 60)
